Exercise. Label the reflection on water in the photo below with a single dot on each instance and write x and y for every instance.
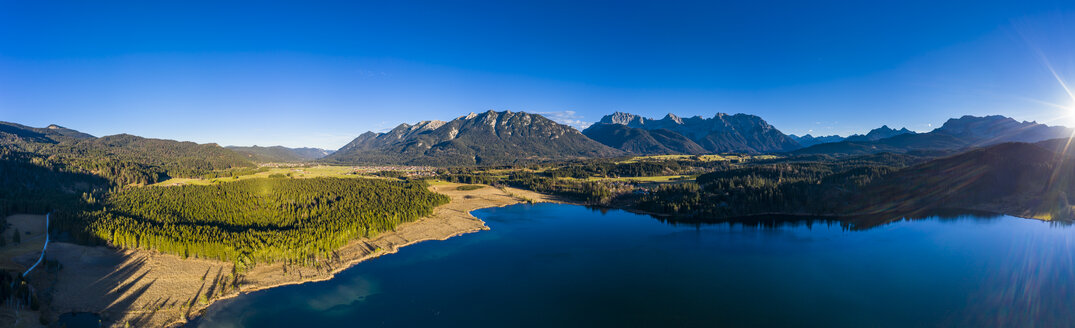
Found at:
(858, 222)
(565, 265)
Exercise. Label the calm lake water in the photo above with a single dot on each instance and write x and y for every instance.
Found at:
(565, 265)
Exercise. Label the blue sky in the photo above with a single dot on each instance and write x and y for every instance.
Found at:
(318, 74)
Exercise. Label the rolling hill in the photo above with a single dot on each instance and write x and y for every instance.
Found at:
(642, 141)
(1021, 179)
(280, 153)
(122, 158)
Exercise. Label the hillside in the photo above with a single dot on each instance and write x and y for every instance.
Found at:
(1038, 184)
(280, 153)
(955, 134)
(477, 139)
(12, 132)
(122, 159)
(739, 133)
(642, 141)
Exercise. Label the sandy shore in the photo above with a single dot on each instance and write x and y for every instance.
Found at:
(150, 289)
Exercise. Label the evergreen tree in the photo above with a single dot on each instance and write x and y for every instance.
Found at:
(260, 220)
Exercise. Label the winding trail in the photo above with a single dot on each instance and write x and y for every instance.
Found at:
(39, 259)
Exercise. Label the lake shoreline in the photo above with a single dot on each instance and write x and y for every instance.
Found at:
(162, 290)
(465, 201)
(447, 221)
(458, 211)
(573, 263)
(865, 219)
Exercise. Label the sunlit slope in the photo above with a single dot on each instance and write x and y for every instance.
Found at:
(1013, 178)
(482, 139)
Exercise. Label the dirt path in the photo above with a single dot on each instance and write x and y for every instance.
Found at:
(43, 248)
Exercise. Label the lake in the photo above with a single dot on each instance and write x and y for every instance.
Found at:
(566, 265)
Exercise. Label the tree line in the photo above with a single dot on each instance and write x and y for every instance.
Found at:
(260, 220)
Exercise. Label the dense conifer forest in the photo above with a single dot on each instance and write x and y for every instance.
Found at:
(814, 184)
(791, 187)
(91, 187)
(260, 220)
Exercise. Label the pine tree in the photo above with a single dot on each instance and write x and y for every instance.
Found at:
(15, 237)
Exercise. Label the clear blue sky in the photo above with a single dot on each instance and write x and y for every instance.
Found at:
(309, 74)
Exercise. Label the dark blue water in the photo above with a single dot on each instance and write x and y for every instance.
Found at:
(564, 265)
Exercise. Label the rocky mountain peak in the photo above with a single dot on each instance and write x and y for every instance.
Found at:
(487, 138)
(673, 118)
(622, 119)
(722, 133)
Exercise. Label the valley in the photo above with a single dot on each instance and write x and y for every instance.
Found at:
(838, 164)
(151, 232)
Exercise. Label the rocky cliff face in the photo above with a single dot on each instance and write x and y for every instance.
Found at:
(722, 133)
(486, 138)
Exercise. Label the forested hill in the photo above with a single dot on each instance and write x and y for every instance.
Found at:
(122, 159)
(642, 141)
(1022, 179)
(46, 134)
(280, 153)
(86, 183)
(476, 139)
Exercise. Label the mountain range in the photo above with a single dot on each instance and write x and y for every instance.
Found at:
(808, 140)
(876, 134)
(496, 138)
(280, 153)
(475, 139)
(957, 133)
(723, 133)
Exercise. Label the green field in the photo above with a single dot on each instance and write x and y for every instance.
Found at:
(294, 172)
(437, 182)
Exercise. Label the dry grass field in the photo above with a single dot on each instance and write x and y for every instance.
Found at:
(19, 257)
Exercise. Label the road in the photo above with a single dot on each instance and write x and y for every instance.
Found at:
(43, 249)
